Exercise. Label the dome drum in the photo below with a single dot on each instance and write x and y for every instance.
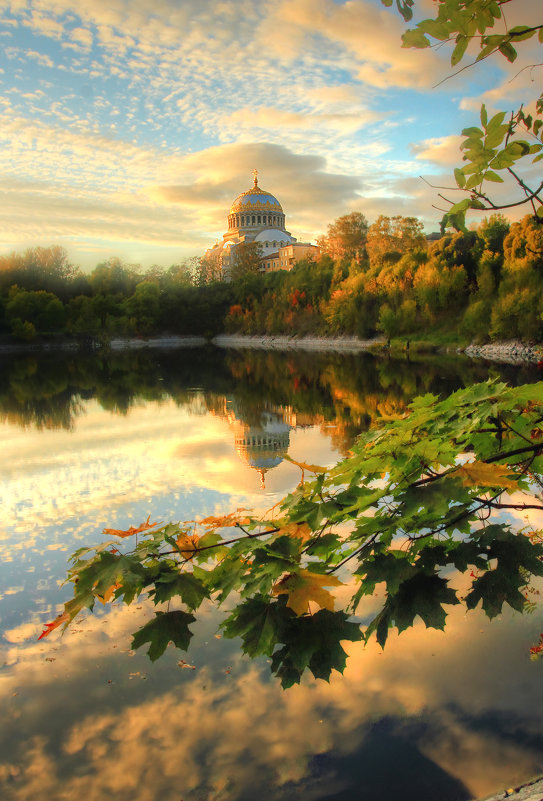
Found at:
(256, 219)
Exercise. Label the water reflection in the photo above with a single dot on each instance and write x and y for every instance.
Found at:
(90, 442)
(431, 718)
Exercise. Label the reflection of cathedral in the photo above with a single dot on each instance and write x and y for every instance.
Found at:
(256, 216)
(264, 443)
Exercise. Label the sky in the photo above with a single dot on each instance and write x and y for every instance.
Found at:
(128, 127)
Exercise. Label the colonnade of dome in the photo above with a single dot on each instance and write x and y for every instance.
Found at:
(256, 220)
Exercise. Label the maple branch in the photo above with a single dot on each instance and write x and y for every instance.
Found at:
(224, 542)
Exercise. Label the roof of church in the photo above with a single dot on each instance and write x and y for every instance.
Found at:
(255, 199)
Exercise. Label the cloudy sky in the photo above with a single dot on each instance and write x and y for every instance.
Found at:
(127, 127)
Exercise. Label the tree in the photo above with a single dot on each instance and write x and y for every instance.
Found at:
(390, 237)
(246, 260)
(407, 518)
(346, 237)
(113, 277)
(494, 151)
(144, 307)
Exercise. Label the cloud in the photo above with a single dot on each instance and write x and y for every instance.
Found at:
(82, 36)
(442, 150)
(368, 33)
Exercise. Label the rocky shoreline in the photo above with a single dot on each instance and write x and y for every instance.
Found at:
(530, 791)
(512, 352)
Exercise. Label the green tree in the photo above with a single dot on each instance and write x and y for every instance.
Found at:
(246, 260)
(144, 307)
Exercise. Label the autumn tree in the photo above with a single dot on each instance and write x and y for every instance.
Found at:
(346, 237)
(388, 238)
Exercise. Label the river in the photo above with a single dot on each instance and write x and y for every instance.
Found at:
(104, 441)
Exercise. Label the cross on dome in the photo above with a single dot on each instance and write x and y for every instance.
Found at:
(255, 177)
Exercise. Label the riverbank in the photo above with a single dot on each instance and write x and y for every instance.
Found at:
(530, 791)
(511, 352)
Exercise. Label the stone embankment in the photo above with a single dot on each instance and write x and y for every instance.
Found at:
(296, 343)
(530, 791)
(512, 352)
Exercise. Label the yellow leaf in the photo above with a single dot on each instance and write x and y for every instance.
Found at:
(481, 474)
(187, 544)
(300, 530)
(107, 596)
(305, 586)
(226, 521)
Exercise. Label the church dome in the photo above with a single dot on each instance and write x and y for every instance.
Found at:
(255, 199)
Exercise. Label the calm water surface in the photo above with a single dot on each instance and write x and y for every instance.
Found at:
(92, 442)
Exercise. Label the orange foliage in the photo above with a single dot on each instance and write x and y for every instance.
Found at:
(130, 531)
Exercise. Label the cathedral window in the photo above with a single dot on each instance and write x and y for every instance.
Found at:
(254, 219)
(259, 219)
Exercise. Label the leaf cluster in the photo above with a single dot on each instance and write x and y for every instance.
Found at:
(414, 506)
(495, 147)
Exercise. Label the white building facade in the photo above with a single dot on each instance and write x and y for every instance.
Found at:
(257, 216)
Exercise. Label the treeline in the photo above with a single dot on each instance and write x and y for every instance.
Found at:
(481, 284)
(381, 278)
(42, 293)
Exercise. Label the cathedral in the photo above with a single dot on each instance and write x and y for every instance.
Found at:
(257, 216)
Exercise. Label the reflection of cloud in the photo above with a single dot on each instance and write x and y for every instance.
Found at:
(58, 485)
(208, 732)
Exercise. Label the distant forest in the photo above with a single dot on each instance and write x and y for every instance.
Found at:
(382, 278)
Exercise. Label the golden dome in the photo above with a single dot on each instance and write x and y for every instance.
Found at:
(255, 199)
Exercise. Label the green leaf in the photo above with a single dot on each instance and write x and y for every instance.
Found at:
(259, 623)
(458, 52)
(460, 178)
(520, 33)
(473, 132)
(190, 589)
(415, 38)
(492, 176)
(314, 642)
(507, 50)
(165, 627)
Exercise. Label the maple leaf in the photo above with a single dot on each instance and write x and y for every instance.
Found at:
(130, 531)
(300, 530)
(227, 521)
(58, 621)
(481, 474)
(187, 544)
(164, 628)
(305, 586)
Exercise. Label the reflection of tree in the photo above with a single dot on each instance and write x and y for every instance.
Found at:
(341, 393)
